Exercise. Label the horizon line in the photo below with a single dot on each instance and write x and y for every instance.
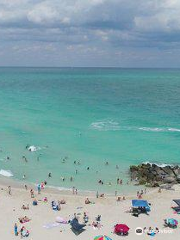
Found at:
(113, 67)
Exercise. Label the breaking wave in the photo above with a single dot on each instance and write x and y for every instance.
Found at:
(6, 173)
(108, 125)
(159, 164)
(111, 125)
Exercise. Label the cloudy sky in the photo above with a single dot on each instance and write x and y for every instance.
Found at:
(119, 33)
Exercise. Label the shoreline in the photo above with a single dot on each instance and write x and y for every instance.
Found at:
(19, 185)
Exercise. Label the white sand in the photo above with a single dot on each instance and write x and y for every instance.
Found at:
(112, 212)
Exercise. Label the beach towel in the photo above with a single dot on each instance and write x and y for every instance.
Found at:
(61, 220)
(51, 225)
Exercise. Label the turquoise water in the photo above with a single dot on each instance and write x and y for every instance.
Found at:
(123, 116)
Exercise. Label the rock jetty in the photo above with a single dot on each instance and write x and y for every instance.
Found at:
(154, 175)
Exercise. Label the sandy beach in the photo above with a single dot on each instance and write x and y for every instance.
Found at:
(111, 211)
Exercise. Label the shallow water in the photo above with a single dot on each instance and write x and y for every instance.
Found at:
(123, 116)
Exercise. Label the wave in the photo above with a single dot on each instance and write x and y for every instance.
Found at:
(69, 189)
(6, 173)
(159, 164)
(111, 125)
(173, 129)
(33, 148)
(149, 129)
(107, 125)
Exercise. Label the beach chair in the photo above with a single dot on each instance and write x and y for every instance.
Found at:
(135, 212)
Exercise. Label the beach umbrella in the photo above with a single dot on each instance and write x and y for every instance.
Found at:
(121, 228)
(102, 238)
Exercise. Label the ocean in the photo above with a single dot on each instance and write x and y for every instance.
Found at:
(90, 116)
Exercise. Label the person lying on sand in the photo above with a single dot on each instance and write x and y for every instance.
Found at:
(24, 219)
(62, 201)
(101, 195)
(25, 207)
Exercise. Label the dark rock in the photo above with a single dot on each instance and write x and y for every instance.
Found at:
(154, 175)
(169, 180)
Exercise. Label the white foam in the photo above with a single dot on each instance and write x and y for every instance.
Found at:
(159, 164)
(111, 125)
(149, 129)
(174, 129)
(6, 173)
(60, 188)
(106, 125)
(33, 148)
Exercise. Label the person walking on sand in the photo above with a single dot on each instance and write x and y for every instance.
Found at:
(15, 229)
(59, 206)
(9, 190)
(39, 188)
(32, 193)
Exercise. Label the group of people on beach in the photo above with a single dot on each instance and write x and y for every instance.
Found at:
(141, 193)
(23, 232)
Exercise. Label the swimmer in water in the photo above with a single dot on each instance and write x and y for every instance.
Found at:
(25, 159)
(87, 168)
(24, 176)
(71, 179)
(49, 175)
(118, 181)
(107, 163)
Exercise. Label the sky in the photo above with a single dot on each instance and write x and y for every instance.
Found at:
(90, 33)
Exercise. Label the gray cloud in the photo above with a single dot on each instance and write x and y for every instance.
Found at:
(107, 28)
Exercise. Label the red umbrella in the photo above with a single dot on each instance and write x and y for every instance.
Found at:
(121, 228)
